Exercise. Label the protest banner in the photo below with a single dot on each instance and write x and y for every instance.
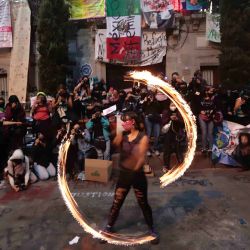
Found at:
(123, 30)
(213, 28)
(157, 14)
(84, 9)
(153, 47)
(5, 25)
(226, 141)
(101, 45)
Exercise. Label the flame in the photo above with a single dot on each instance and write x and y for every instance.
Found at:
(166, 179)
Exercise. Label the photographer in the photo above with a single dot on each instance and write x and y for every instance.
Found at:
(85, 150)
(42, 159)
(18, 171)
(82, 88)
(129, 103)
(62, 106)
(99, 129)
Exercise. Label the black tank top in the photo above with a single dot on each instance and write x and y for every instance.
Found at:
(127, 147)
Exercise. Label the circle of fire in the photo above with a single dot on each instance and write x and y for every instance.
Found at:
(169, 177)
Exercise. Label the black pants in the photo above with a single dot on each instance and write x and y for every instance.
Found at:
(138, 181)
(171, 145)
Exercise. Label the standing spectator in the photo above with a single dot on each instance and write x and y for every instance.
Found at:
(18, 171)
(180, 85)
(152, 121)
(206, 119)
(196, 89)
(98, 127)
(41, 115)
(174, 77)
(122, 98)
(15, 112)
(82, 88)
(173, 135)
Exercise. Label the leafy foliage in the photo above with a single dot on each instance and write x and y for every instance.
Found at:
(235, 52)
(52, 25)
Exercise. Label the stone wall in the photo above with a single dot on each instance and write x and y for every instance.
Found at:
(195, 53)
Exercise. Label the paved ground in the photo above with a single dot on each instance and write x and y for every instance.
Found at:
(208, 208)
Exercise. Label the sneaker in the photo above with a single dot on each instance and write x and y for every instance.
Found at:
(81, 176)
(156, 236)
(157, 153)
(149, 154)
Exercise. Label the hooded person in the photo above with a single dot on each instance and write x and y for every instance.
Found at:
(18, 171)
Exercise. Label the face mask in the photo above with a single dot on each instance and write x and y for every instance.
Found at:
(172, 108)
(128, 125)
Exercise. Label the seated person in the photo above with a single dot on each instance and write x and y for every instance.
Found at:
(42, 159)
(18, 171)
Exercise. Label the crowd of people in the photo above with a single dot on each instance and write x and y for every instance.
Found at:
(80, 114)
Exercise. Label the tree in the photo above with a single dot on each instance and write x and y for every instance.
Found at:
(235, 44)
(52, 26)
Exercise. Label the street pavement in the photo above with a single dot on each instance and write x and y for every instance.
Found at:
(208, 208)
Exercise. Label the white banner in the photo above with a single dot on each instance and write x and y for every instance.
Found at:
(101, 45)
(19, 62)
(154, 45)
(5, 25)
(213, 28)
